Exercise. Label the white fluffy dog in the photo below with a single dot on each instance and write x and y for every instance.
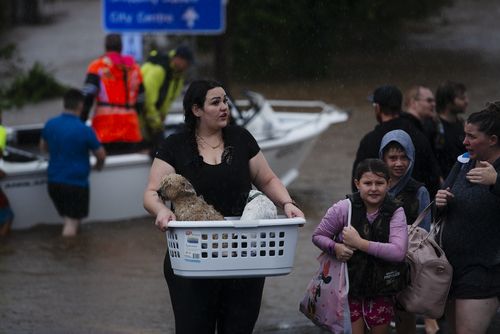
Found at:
(258, 206)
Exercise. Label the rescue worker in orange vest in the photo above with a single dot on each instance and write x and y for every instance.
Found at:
(115, 82)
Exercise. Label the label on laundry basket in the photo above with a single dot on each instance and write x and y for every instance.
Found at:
(192, 247)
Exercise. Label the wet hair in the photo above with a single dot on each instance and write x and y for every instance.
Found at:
(446, 94)
(195, 95)
(375, 166)
(113, 42)
(392, 145)
(488, 120)
(72, 99)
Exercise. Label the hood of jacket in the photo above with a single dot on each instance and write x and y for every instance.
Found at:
(403, 138)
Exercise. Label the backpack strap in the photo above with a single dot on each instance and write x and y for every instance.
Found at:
(421, 217)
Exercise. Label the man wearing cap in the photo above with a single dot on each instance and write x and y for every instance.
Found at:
(387, 101)
(163, 78)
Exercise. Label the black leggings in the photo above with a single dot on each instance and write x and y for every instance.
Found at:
(202, 304)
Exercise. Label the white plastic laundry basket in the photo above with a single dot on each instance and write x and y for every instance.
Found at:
(233, 248)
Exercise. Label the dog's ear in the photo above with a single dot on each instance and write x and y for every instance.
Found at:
(187, 187)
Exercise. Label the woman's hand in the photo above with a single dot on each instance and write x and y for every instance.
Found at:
(483, 173)
(163, 217)
(342, 252)
(351, 237)
(442, 197)
(292, 211)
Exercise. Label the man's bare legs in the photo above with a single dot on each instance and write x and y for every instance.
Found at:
(431, 326)
(5, 229)
(70, 228)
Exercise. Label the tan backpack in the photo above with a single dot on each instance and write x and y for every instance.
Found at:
(430, 272)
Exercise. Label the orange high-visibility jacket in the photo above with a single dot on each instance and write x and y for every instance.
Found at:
(115, 82)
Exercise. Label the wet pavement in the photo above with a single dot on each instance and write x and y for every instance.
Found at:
(109, 279)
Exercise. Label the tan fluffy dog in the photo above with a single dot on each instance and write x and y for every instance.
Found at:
(187, 205)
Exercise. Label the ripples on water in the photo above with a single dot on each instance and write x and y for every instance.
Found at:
(106, 280)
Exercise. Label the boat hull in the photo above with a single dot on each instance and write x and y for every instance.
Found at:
(115, 192)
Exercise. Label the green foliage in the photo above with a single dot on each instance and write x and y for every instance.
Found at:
(19, 87)
(34, 86)
(298, 39)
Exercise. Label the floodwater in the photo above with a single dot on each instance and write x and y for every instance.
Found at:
(109, 279)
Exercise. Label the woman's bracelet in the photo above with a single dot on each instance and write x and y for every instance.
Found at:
(290, 202)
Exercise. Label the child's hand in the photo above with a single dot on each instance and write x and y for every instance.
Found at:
(342, 252)
(351, 237)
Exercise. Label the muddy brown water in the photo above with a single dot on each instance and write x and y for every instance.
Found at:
(109, 279)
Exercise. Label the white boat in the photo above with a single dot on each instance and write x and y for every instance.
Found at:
(285, 138)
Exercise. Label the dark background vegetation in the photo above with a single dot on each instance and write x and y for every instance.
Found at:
(299, 39)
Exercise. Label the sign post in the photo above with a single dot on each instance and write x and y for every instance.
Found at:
(191, 17)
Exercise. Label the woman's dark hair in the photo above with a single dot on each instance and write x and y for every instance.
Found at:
(195, 95)
(488, 120)
(376, 166)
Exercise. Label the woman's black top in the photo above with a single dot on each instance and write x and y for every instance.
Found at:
(226, 185)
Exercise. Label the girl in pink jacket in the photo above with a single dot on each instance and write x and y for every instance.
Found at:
(374, 246)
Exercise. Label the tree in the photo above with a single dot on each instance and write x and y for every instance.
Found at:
(298, 39)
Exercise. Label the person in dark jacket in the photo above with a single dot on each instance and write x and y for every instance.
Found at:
(387, 101)
(471, 234)
(448, 131)
(419, 107)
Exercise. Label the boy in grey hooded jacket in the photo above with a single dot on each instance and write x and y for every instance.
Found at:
(398, 152)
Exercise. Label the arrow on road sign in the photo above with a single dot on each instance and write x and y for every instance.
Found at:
(190, 16)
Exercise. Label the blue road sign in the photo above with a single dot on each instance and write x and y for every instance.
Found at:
(169, 16)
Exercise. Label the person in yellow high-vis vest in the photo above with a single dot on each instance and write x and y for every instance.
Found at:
(163, 80)
(6, 214)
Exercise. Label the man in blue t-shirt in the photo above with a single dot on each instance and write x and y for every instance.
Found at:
(68, 142)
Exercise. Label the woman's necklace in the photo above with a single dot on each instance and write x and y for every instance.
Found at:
(212, 147)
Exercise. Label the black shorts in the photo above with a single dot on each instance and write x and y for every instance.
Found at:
(70, 201)
(476, 282)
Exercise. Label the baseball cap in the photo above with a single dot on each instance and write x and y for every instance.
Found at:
(387, 96)
(185, 53)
